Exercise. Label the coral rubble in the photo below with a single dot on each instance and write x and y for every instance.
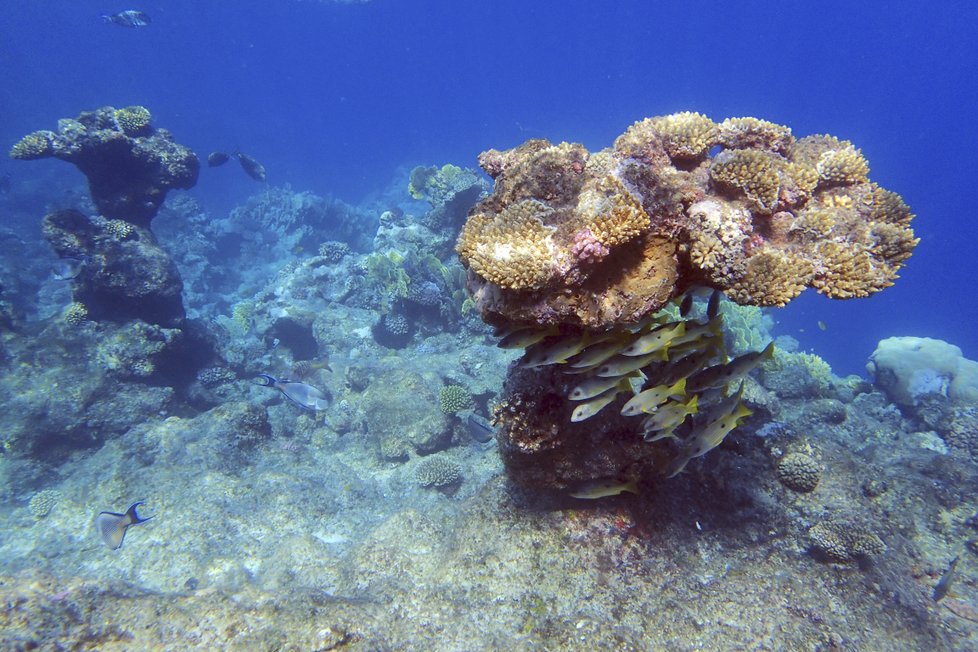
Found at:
(130, 164)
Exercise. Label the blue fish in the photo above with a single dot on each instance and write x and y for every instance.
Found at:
(305, 396)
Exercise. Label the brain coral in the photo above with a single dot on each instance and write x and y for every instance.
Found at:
(799, 472)
(599, 239)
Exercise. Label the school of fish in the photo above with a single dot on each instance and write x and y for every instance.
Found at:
(673, 373)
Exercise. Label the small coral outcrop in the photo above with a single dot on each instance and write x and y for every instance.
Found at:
(598, 239)
(799, 472)
(437, 471)
(43, 502)
(844, 542)
(453, 399)
(130, 164)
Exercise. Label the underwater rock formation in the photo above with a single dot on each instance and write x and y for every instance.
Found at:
(576, 257)
(599, 239)
(909, 368)
(125, 275)
(130, 164)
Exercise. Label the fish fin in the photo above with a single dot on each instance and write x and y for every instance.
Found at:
(133, 515)
(679, 387)
(692, 405)
(713, 305)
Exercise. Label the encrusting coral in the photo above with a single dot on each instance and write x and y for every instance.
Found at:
(740, 206)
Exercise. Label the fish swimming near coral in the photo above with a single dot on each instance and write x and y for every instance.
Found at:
(604, 487)
(944, 584)
(112, 526)
(664, 421)
(302, 394)
(599, 402)
(479, 428)
(708, 437)
(649, 400)
(730, 372)
(593, 386)
(252, 168)
(521, 338)
(67, 268)
(658, 338)
(556, 350)
(130, 18)
(215, 159)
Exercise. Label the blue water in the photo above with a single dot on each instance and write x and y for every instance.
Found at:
(335, 98)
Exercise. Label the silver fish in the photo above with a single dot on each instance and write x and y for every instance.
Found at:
(129, 18)
(67, 268)
(302, 394)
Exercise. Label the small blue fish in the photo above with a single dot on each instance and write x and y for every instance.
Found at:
(305, 396)
(112, 527)
(129, 18)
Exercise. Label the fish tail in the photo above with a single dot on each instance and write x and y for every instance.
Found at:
(133, 515)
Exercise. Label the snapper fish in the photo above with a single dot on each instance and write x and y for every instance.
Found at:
(130, 18)
(252, 168)
(655, 340)
(730, 372)
(112, 526)
(302, 394)
(599, 402)
(521, 338)
(555, 351)
(649, 400)
(667, 418)
(705, 439)
(604, 487)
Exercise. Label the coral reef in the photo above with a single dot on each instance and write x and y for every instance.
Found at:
(126, 274)
(600, 239)
(130, 165)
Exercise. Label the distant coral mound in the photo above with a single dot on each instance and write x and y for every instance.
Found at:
(597, 239)
(130, 164)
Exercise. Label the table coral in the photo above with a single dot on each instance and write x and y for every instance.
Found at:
(741, 206)
(130, 165)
